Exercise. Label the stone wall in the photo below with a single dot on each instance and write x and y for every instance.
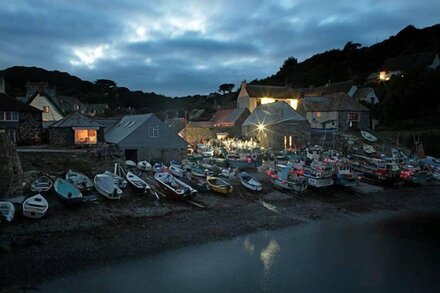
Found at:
(61, 136)
(10, 168)
(164, 155)
(197, 134)
(273, 135)
(343, 122)
(30, 128)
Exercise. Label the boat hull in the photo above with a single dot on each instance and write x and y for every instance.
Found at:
(67, 192)
(225, 188)
(188, 194)
(35, 207)
(319, 182)
(299, 186)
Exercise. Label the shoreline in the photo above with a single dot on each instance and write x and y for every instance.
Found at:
(113, 232)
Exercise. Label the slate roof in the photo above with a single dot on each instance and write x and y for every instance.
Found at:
(330, 103)
(200, 124)
(404, 62)
(132, 131)
(330, 88)
(42, 93)
(8, 103)
(228, 117)
(362, 93)
(277, 92)
(76, 119)
(272, 113)
(176, 124)
(107, 122)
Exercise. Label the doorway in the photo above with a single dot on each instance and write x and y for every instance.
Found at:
(131, 155)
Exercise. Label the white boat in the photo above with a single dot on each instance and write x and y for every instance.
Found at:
(137, 183)
(368, 136)
(117, 180)
(228, 173)
(7, 210)
(80, 180)
(106, 186)
(159, 168)
(176, 171)
(250, 182)
(42, 184)
(369, 149)
(144, 166)
(130, 164)
(35, 207)
(173, 187)
(318, 174)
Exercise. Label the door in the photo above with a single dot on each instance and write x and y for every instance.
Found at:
(131, 155)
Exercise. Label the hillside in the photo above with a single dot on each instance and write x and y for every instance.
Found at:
(354, 61)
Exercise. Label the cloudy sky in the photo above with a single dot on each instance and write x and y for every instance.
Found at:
(187, 47)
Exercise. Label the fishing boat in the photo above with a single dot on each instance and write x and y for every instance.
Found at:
(250, 182)
(176, 170)
(368, 149)
(137, 183)
(200, 171)
(173, 187)
(81, 181)
(288, 178)
(67, 192)
(368, 136)
(432, 165)
(7, 210)
(35, 207)
(413, 175)
(42, 184)
(195, 182)
(159, 167)
(248, 162)
(105, 185)
(375, 170)
(219, 185)
(313, 153)
(318, 174)
(144, 166)
(344, 175)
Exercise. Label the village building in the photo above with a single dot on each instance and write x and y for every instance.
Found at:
(44, 102)
(77, 130)
(22, 122)
(251, 96)
(68, 104)
(145, 136)
(338, 112)
(397, 65)
(346, 86)
(277, 125)
(366, 94)
(177, 125)
(96, 109)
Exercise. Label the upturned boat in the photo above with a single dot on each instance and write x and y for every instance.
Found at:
(173, 187)
(250, 182)
(35, 207)
(7, 211)
(67, 192)
(144, 166)
(42, 184)
(105, 185)
(137, 183)
(81, 181)
(219, 185)
(318, 174)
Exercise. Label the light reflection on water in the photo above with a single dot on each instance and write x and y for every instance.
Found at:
(375, 253)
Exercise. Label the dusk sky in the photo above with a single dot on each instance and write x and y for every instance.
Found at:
(178, 48)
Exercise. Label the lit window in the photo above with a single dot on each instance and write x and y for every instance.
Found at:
(154, 131)
(267, 100)
(318, 114)
(85, 136)
(293, 103)
(46, 109)
(353, 116)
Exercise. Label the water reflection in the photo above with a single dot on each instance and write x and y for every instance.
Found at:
(269, 254)
(248, 246)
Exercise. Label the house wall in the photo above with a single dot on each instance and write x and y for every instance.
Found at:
(164, 155)
(316, 122)
(198, 134)
(273, 136)
(30, 128)
(344, 123)
(40, 101)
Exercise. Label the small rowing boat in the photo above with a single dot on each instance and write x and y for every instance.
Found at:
(7, 210)
(219, 185)
(368, 136)
(144, 166)
(173, 187)
(81, 181)
(66, 191)
(35, 207)
(105, 185)
(42, 184)
(250, 182)
(137, 183)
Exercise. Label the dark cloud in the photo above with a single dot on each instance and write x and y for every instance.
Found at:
(191, 47)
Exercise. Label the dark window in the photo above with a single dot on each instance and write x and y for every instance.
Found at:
(353, 116)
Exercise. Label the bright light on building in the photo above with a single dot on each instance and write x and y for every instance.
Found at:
(261, 127)
(293, 103)
(267, 100)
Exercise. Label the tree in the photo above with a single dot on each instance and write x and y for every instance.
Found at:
(226, 87)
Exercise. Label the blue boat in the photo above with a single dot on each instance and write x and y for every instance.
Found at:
(251, 162)
(66, 191)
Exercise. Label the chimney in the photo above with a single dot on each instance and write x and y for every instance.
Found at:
(2, 85)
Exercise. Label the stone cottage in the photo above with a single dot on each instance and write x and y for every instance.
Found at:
(76, 129)
(23, 123)
(277, 125)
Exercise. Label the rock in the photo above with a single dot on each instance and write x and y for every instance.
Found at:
(10, 167)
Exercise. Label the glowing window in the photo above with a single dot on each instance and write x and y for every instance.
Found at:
(86, 136)
(46, 109)
(293, 103)
(267, 100)
(318, 114)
